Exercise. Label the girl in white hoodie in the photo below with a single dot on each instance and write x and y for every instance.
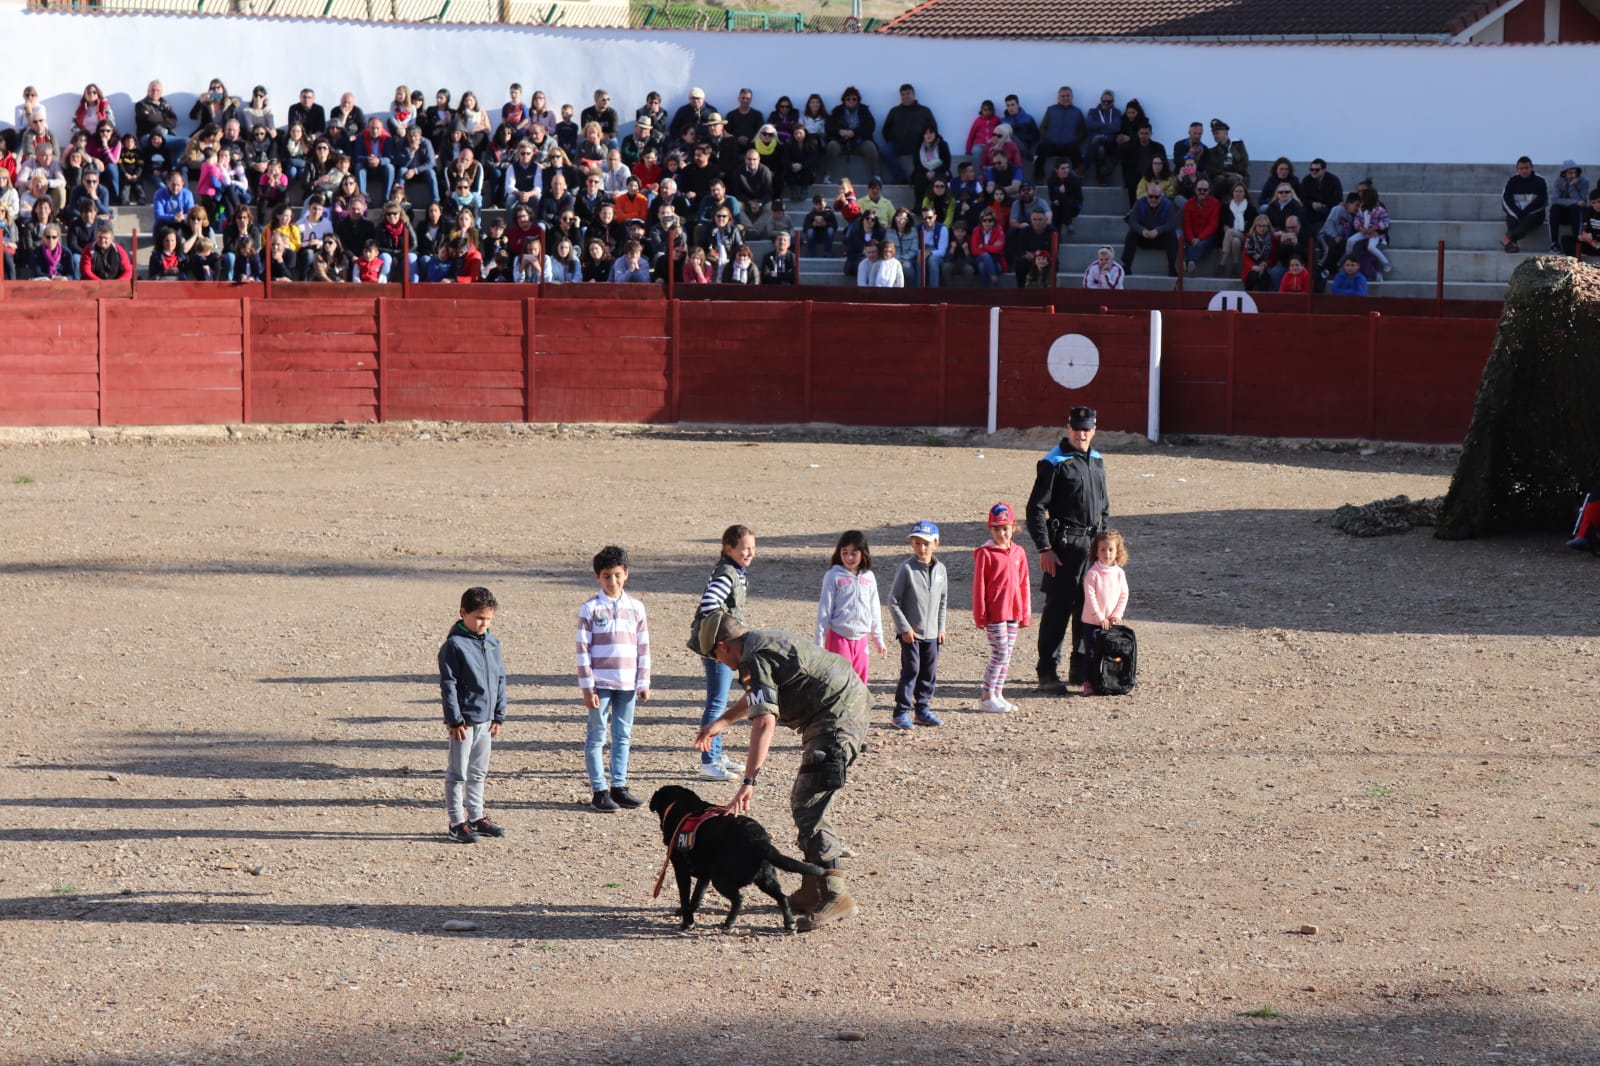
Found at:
(849, 610)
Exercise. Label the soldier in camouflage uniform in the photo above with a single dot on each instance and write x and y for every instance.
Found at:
(794, 683)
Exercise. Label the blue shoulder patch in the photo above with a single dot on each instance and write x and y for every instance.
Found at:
(1055, 456)
(1094, 454)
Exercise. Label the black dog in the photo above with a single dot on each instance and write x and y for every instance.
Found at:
(726, 850)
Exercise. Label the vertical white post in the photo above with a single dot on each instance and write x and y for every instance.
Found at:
(994, 368)
(1153, 416)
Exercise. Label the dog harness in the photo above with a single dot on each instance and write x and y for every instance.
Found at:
(682, 838)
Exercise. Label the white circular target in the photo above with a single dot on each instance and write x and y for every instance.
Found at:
(1073, 361)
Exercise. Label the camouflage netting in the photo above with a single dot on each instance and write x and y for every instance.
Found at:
(1380, 518)
(1533, 448)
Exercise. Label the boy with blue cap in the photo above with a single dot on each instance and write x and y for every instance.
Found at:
(918, 600)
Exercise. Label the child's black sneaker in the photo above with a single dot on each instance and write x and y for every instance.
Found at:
(603, 802)
(484, 827)
(462, 833)
(625, 798)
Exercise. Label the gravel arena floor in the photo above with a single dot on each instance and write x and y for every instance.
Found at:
(1350, 814)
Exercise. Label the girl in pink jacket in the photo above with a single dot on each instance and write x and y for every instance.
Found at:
(1000, 603)
(1105, 591)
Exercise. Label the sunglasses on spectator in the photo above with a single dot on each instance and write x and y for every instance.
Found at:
(1316, 170)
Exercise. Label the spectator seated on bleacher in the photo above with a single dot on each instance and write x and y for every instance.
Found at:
(1370, 234)
(905, 130)
(1202, 224)
(258, 113)
(1152, 223)
(1138, 157)
(311, 116)
(589, 197)
(1568, 197)
(860, 235)
(1334, 234)
(1227, 163)
(1105, 272)
(1064, 192)
(1035, 251)
(34, 222)
(801, 157)
(173, 201)
(8, 241)
(1320, 191)
(720, 236)
(414, 160)
(741, 269)
(784, 118)
(902, 232)
(744, 122)
(1349, 281)
(820, 226)
(780, 266)
(1260, 249)
(92, 187)
(981, 132)
(671, 243)
(241, 240)
(1292, 243)
(1296, 278)
(716, 199)
(1585, 241)
(105, 259)
(614, 173)
(957, 268)
(941, 201)
(1237, 215)
(1193, 148)
(470, 126)
(603, 115)
(166, 261)
(631, 267)
(605, 226)
(850, 130)
(814, 117)
(988, 245)
(43, 163)
(692, 115)
(214, 107)
(1061, 134)
(644, 136)
(694, 181)
(1023, 128)
(929, 162)
(1281, 173)
(752, 187)
(49, 259)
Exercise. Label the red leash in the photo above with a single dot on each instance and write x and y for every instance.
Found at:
(672, 838)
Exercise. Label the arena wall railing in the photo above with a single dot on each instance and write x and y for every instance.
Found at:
(178, 354)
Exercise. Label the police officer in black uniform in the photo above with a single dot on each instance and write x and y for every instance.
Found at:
(1067, 506)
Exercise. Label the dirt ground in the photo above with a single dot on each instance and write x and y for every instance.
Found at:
(221, 834)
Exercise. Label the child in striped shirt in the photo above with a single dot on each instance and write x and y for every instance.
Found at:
(613, 670)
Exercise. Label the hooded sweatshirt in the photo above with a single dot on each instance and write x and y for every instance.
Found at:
(849, 605)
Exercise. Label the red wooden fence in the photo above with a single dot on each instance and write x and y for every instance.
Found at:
(200, 354)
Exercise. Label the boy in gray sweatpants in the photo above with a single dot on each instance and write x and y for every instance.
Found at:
(472, 686)
(917, 600)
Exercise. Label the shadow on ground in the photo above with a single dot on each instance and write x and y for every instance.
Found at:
(826, 1033)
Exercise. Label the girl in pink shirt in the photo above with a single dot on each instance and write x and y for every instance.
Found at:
(1105, 591)
(1000, 603)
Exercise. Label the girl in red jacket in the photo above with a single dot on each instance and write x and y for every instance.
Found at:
(1000, 602)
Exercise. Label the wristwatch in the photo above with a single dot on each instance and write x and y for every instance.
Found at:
(750, 781)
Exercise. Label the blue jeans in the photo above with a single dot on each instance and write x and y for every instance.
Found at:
(819, 242)
(617, 707)
(988, 269)
(388, 264)
(432, 179)
(385, 168)
(718, 678)
(934, 263)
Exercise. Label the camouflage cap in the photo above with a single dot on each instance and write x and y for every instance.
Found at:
(706, 635)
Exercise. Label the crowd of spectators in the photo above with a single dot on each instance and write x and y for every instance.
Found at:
(454, 191)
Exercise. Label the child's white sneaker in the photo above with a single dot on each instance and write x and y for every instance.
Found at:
(1010, 706)
(731, 766)
(990, 705)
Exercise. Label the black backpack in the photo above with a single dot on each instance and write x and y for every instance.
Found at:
(1115, 661)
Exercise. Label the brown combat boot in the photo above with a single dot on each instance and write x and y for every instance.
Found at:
(836, 904)
(808, 897)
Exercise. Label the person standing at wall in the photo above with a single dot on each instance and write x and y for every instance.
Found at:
(1067, 507)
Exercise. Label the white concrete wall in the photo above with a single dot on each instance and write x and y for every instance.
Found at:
(1369, 103)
